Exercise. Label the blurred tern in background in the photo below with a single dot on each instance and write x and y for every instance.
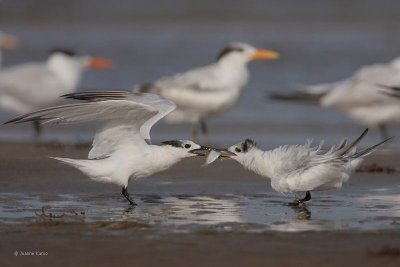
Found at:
(300, 169)
(208, 91)
(30, 86)
(7, 42)
(122, 148)
(357, 97)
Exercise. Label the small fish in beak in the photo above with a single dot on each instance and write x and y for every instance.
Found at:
(216, 154)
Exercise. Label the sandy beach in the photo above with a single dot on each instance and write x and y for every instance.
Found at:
(221, 215)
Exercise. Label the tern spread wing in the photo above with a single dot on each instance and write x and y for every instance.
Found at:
(127, 117)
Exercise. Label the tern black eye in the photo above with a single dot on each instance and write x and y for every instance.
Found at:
(238, 150)
(187, 146)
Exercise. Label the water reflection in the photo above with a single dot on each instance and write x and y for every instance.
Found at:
(222, 212)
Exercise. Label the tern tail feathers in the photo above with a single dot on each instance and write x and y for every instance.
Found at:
(346, 150)
(95, 169)
(369, 150)
(76, 163)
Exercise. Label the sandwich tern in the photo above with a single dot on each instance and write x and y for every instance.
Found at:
(122, 148)
(300, 169)
(357, 97)
(208, 91)
(30, 86)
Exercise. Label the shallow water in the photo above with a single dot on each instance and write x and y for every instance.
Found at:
(322, 44)
(373, 209)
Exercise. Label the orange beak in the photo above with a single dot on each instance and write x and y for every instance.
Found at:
(265, 54)
(100, 63)
(9, 42)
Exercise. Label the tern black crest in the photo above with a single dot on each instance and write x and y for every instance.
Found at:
(146, 87)
(175, 143)
(64, 51)
(248, 144)
(229, 49)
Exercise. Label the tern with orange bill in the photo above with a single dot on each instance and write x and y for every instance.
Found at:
(31, 86)
(208, 91)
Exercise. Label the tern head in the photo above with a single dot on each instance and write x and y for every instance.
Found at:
(67, 57)
(244, 53)
(239, 150)
(186, 148)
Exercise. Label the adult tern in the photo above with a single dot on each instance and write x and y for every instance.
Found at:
(7, 42)
(31, 86)
(299, 169)
(358, 96)
(208, 91)
(122, 148)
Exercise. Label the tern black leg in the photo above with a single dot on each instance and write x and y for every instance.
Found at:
(307, 197)
(37, 129)
(127, 196)
(384, 131)
(298, 202)
(204, 131)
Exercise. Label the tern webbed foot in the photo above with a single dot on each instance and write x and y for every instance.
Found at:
(307, 197)
(127, 196)
(300, 202)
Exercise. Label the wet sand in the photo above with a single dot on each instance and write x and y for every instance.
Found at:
(221, 215)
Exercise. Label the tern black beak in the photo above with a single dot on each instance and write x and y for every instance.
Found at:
(202, 151)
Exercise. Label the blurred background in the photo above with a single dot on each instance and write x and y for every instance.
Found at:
(319, 41)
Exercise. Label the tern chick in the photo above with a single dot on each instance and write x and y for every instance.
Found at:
(300, 169)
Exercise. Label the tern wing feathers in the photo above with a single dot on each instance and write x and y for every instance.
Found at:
(200, 79)
(127, 117)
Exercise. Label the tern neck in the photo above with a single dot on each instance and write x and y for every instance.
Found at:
(233, 61)
(257, 161)
(166, 156)
(234, 71)
(67, 70)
